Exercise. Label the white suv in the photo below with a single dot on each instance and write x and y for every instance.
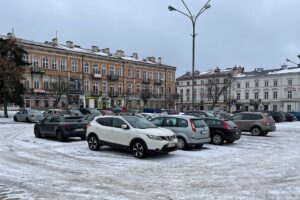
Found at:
(132, 132)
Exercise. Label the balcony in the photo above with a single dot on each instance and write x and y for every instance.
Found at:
(97, 76)
(112, 77)
(146, 81)
(157, 82)
(37, 70)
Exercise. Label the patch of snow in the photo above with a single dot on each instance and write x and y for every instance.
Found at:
(285, 71)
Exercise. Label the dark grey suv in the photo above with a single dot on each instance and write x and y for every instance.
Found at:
(255, 122)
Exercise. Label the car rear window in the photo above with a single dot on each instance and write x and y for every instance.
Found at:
(270, 117)
(251, 116)
(231, 124)
(199, 123)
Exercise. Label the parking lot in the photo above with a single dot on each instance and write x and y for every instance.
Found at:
(251, 168)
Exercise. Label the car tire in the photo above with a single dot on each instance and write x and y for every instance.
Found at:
(181, 143)
(93, 142)
(60, 136)
(139, 149)
(37, 133)
(217, 139)
(15, 119)
(256, 131)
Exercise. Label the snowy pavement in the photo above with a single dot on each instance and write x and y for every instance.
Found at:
(251, 168)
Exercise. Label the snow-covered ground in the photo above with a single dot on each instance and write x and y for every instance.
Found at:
(251, 168)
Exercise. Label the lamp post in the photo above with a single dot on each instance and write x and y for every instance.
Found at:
(288, 60)
(193, 20)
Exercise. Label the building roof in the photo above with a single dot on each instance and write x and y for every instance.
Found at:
(80, 50)
(262, 72)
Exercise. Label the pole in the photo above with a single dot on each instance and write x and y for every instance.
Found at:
(193, 67)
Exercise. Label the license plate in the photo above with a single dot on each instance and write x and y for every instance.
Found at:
(171, 144)
(79, 129)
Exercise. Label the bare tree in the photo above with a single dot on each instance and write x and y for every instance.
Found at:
(172, 99)
(58, 89)
(145, 96)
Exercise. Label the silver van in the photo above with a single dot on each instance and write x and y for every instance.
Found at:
(190, 131)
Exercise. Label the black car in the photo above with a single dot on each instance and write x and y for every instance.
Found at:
(200, 113)
(74, 112)
(278, 116)
(90, 111)
(221, 130)
(61, 127)
(289, 116)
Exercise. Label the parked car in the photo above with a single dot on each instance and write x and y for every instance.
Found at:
(74, 112)
(107, 112)
(28, 115)
(190, 130)
(61, 127)
(89, 117)
(54, 112)
(255, 122)
(169, 111)
(149, 116)
(200, 113)
(289, 116)
(130, 132)
(278, 116)
(90, 111)
(297, 115)
(221, 130)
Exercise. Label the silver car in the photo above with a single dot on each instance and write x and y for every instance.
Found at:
(190, 131)
(28, 115)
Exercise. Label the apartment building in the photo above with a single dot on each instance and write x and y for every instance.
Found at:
(95, 77)
(271, 89)
(218, 78)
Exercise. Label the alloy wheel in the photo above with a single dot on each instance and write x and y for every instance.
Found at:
(255, 131)
(217, 139)
(93, 143)
(181, 143)
(138, 150)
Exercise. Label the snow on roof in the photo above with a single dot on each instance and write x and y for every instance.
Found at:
(285, 71)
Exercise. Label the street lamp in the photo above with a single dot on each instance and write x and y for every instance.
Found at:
(193, 20)
(288, 60)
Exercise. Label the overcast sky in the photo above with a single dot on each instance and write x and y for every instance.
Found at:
(250, 33)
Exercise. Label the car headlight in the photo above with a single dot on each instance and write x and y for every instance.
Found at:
(154, 137)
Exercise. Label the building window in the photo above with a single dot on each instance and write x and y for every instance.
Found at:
(188, 83)
(86, 68)
(150, 75)
(238, 85)
(217, 80)
(46, 83)
(225, 98)
(35, 61)
(246, 95)
(238, 96)
(104, 88)
(290, 82)
(256, 84)
(120, 73)
(63, 65)
(95, 88)
(247, 84)
(256, 95)
(290, 95)
(274, 95)
(266, 83)
(26, 58)
(95, 69)
(74, 66)
(129, 89)
(103, 69)
(162, 76)
(86, 85)
(120, 88)
(266, 95)
(112, 89)
(54, 63)
(36, 84)
(129, 73)
(45, 63)
(274, 107)
(289, 107)
(111, 70)
(202, 81)
(138, 73)
(275, 82)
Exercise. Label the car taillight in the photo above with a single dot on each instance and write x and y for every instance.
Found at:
(192, 125)
(226, 126)
(266, 121)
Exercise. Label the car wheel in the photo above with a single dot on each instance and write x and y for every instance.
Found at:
(181, 143)
(93, 143)
(256, 131)
(27, 120)
(217, 139)
(139, 149)
(37, 133)
(60, 136)
(15, 119)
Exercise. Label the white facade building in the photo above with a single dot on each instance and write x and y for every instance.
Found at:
(262, 90)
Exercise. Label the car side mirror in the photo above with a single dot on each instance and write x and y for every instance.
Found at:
(124, 126)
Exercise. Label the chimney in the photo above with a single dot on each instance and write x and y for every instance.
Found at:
(95, 49)
(120, 53)
(153, 59)
(69, 44)
(10, 35)
(135, 56)
(54, 41)
(284, 66)
(149, 58)
(106, 50)
(159, 60)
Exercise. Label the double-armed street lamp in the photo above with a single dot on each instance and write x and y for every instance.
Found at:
(288, 60)
(193, 19)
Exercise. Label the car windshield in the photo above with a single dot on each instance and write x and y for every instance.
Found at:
(209, 114)
(73, 111)
(199, 123)
(139, 122)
